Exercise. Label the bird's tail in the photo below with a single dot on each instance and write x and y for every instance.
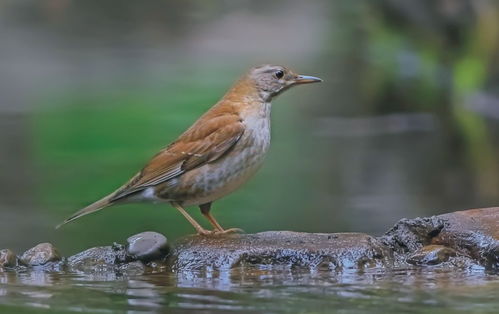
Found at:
(100, 204)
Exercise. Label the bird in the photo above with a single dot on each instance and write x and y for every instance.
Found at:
(215, 156)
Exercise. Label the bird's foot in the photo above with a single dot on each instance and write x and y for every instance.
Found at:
(204, 232)
(228, 231)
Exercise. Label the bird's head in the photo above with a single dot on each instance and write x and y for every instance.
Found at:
(271, 80)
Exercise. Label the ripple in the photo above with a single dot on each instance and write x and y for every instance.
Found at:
(254, 290)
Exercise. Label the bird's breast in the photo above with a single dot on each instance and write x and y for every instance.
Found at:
(257, 126)
(217, 179)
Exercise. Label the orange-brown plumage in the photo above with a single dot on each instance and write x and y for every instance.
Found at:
(212, 137)
(219, 152)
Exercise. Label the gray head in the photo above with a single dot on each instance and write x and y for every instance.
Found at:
(271, 80)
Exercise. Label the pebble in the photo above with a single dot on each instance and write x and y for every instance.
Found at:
(41, 254)
(147, 246)
(7, 258)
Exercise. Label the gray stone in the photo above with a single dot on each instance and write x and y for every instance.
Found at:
(97, 258)
(7, 258)
(280, 249)
(431, 255)
(147, 246)
(41, 254)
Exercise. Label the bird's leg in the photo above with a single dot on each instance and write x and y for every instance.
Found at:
(205, 210)
(194, 223)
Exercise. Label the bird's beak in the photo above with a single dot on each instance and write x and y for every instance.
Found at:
(305, 79)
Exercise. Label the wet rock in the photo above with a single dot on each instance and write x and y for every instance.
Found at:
(136, 267)
(41, 254)
(7, 258)
(147, 246)
(431, 255)
(472, 233)
(98, 258)
(281, 248)
(459, 240)
(409, 235)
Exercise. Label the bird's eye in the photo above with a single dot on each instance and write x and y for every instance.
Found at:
(279, 74)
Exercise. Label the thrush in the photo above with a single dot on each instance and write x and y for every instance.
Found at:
(216, 155)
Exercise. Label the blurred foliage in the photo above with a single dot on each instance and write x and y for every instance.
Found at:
(132, 76)
(431, 56)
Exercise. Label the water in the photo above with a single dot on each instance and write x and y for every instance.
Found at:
(405, 124)
(253, 291)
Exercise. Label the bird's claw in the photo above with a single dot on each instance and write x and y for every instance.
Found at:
(205, 232)
(228, 231)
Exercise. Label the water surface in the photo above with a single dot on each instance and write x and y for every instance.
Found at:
(254, 290)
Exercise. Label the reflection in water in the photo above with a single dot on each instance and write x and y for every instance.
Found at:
(142, 293)
(253, 290)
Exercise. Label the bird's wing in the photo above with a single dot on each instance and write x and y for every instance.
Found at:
(206, 141)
